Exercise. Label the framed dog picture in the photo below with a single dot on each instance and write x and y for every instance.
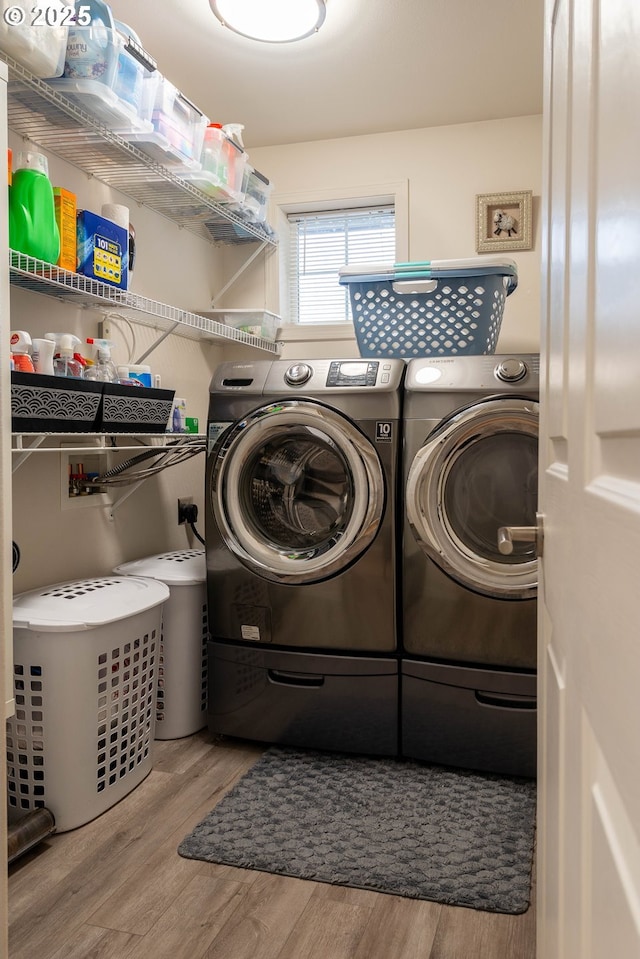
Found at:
(503, 222)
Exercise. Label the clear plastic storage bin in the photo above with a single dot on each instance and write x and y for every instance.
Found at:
(177, 125)
(36, 44)
(85, 674)
(256, 191)
(181, 705)
(257, 322)
(436, 308)
(135, 66)
(104, 73)
(223, 164)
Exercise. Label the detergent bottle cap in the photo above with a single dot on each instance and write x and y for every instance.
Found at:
(26, 160)
(20, 341)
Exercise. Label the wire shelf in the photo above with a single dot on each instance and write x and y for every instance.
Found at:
(39, 277)
(24, 445)
(103, 442)
(40, 114)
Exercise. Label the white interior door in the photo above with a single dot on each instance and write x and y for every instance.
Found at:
(6, 584)
(589, 666)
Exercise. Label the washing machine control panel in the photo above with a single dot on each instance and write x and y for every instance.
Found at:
(511, 370)
(353, 373)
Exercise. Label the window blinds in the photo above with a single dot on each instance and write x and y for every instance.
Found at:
(320, 245)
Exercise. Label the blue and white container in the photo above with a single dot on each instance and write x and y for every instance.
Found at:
(103, 249)
(433, 308)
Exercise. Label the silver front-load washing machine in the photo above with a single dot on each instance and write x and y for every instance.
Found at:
(301, 489)
(469, 566)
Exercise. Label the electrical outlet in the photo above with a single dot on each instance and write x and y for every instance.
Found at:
(185, 506)
(104, 329)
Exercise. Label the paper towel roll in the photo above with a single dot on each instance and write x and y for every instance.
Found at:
(117, 214)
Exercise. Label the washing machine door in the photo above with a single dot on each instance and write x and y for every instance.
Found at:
(297, 491)
(476, 472)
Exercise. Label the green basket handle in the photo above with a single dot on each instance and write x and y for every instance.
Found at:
(426, 271)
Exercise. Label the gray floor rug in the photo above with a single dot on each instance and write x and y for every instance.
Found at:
(391, 825)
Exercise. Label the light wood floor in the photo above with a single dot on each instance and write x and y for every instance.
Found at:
(117, 889)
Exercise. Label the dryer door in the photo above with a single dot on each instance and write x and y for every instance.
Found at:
(297, 491)
(476, 472)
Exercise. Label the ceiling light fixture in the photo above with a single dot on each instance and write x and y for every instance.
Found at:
(272, 21)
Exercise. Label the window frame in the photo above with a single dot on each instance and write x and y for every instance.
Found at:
(394, 192)
(321, 243)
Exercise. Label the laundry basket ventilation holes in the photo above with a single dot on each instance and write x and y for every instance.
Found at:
(85, 679)
(81, 588)
(179, 556)
(122, 720)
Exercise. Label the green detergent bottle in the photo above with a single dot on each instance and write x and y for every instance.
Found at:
(32, 220)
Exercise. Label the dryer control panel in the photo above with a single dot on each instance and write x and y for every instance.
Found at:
(505, 372)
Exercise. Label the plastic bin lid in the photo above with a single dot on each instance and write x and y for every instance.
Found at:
(182, 567)
(86, 603)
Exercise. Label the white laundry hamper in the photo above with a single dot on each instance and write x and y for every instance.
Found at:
(85, 673)
(181, 706)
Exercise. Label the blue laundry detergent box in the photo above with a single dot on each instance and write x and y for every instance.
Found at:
(103, 249)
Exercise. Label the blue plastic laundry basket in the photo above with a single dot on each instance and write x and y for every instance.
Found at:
(436, 308)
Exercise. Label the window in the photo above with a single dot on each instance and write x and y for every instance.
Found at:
(320, 245)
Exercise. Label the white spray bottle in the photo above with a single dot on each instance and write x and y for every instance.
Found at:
(234, 132)
(64, 361)
(103, 369)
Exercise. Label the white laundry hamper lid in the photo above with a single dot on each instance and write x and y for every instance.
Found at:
(182, 567)
(86, 603)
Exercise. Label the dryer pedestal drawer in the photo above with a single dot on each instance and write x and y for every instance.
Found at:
(317, 701)
(473, 718)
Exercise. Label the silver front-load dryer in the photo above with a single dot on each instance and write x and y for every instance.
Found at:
(469, 583)
(301, 491)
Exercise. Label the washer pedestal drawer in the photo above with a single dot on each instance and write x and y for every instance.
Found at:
(473, 718)
(318, 701)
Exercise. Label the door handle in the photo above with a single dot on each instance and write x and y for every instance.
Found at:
(507, 535)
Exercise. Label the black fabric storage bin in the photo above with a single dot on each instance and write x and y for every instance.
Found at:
(134, 409)
(53, 404)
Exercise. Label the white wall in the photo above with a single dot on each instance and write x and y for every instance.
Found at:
(444, 168)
